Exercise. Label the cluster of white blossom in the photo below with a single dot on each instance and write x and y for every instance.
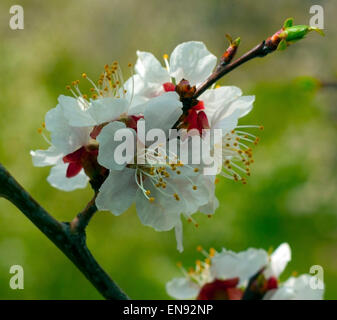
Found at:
(251, 274)
(84, 137)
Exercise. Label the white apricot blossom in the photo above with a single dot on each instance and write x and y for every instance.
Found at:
(250, 274)
(162, 187)
(74, 125)
(217, 108)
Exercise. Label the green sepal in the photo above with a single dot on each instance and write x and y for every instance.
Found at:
(318, 30)
(288, 23)
(282, 45)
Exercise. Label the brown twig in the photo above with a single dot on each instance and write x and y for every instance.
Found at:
(328, 84)
(72, 244)
(80, 222)
(260, 50)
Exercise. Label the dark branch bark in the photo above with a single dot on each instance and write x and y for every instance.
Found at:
(260, 50)
(81, 221)
(72, 244)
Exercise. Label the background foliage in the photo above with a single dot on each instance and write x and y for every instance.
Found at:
(291, 195)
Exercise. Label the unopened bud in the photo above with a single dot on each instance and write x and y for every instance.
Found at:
(231, 50)
(289, 34)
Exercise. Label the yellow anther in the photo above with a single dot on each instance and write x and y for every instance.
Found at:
(194, 187)
(84, 75)
(147, 192)
(294, 273)
(196, 225)
(212, 252)
(43, 124)
(151, 199)
(199, 248)
(198, 263)
(68, 87)
(176, 196)
(94, 96)
(196, 169)
(217, 86)
(208, 261)
(209, 216)
(190, 270)
(39, 130)
(261, 127)
(178, 172)
(165, 56)
(85, 96)
(216, 181)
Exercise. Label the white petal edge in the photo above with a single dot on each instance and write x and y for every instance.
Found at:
(57, 178)
(182, 288)
(118, 191)
(191, 61)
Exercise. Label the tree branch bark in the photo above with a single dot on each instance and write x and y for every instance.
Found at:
(260, 50)
(72, 244)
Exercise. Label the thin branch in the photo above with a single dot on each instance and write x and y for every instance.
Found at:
(260, 50)
(80, 222)
(328, 84)
(73, 245)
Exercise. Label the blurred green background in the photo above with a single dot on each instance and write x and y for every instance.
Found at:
(291, 195)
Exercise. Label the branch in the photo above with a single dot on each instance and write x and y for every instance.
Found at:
(260, 50)
(81, 221)
(72, 244)
(280, 40)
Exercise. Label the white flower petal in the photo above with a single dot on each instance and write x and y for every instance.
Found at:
(57, 178)
(278, 261)
(107, 146)
(227, 118)
(182, 288)
(219, 100)
(162, 214)
(162, 112)
(191, 61)
(213, 202)
(70, 139)
(55, 120)
(107, 109)
(74, 112)
(117, 192)
(136, 92)
(178, 230)
(241, 106)
(42, 158)
(150, 69)
(281, 293)
(245, 264)
(64, 137)
(298, 288)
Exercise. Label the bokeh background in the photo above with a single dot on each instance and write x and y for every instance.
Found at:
(291, 195)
